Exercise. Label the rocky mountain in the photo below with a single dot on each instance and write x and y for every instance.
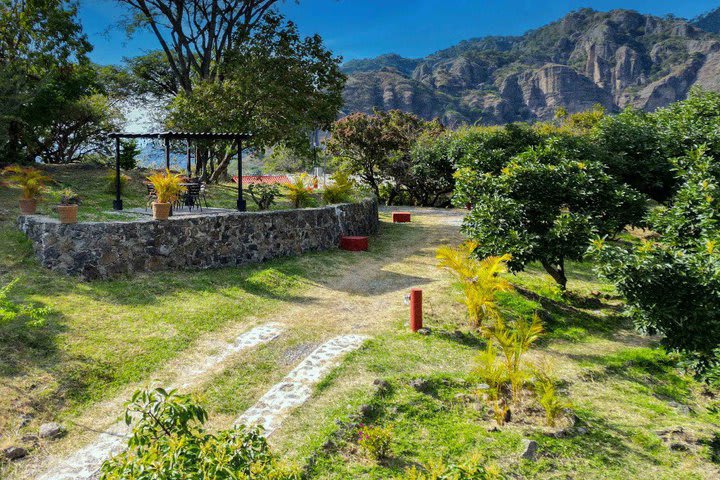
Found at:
(617, 59)
(710, 21)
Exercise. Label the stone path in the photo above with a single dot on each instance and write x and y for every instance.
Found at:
(85, 463)
(296, 388)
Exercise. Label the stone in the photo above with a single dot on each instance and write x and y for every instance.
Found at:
(529, 450)
(15, 453)
(51, 430)
(582, 430)
(424, 331)
(101, 250)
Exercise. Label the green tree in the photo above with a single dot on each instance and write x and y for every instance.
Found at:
(634, 152)
(169, 441)
(129, 152)
(545, 205)
(368, 145)
(425, 173)
(43, 71)
(672, 284)
(276, 85)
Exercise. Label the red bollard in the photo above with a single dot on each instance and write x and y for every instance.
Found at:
(415, 309)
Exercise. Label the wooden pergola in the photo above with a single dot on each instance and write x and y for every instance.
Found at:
(166, 137)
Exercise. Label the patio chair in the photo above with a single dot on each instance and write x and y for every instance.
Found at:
(191, 197)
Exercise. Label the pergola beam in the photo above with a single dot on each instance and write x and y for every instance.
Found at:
(238, 137)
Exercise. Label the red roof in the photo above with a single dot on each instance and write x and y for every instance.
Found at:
(267, 179)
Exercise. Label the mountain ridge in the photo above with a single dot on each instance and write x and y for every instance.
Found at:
(616, 59)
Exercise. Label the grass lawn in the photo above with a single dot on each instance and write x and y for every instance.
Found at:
(638, 415)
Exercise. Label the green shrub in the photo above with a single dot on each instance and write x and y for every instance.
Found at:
(263, 194)
(476, 467)
(169, 441)
(375, 441)
(548, 397)
(129, 152)
(299, 193)
(341, 190)
(672, 284)
(111, 184)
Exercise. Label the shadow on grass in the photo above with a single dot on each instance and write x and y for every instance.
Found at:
(651, 368)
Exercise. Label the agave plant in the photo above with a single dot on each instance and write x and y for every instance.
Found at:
(479, 281)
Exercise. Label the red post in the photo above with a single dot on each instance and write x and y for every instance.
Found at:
(415, 309)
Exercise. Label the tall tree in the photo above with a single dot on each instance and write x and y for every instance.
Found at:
(275, 85)
(195, 35)
(42, 47)
(369, 145)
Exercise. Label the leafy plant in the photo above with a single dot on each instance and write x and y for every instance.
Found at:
(31, 180)
(376, 441)
(479, 281)
(169, 441)
(299, 193)
(263, 194)
(69, 197)
(167, 186)
(476, 467)
(501, 365)
(111, 184)
(340, 190)
(548, 397)
(11, 311)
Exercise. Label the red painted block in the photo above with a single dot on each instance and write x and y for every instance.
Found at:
(415, 309)
(354, 244)
(401, 217)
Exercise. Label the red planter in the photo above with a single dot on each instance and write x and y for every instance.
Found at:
(401, 217)
(354, 244)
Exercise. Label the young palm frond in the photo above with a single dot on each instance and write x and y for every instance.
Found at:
(478, 280)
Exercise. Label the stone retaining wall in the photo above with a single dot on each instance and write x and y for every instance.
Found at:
(108, 249)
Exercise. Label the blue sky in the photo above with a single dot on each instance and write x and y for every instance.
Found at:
(367, 28)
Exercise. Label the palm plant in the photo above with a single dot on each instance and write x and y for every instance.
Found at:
(514, 339)
(167, 186)
(299, 194)
(479, 281)
(31, 180)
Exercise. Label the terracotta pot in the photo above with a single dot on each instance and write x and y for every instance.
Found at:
(28, 206)
(67, 213)
(161, 211)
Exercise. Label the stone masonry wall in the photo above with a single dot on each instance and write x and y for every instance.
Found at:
(94, 250)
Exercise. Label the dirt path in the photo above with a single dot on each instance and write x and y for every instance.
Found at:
(357, 300)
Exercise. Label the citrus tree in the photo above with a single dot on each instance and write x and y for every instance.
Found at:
(545, 205)
(672, 284)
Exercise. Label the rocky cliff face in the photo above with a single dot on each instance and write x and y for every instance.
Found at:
(616, 59)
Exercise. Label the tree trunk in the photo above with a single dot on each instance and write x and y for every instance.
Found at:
(221, 168)
(557, 272)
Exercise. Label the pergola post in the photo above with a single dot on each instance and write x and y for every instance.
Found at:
(167, 153)
(241, 205)
(189, 166)
(117, 203)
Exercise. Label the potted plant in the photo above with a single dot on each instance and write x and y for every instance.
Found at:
(68, 207)
(32, 182)
(167, 189)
